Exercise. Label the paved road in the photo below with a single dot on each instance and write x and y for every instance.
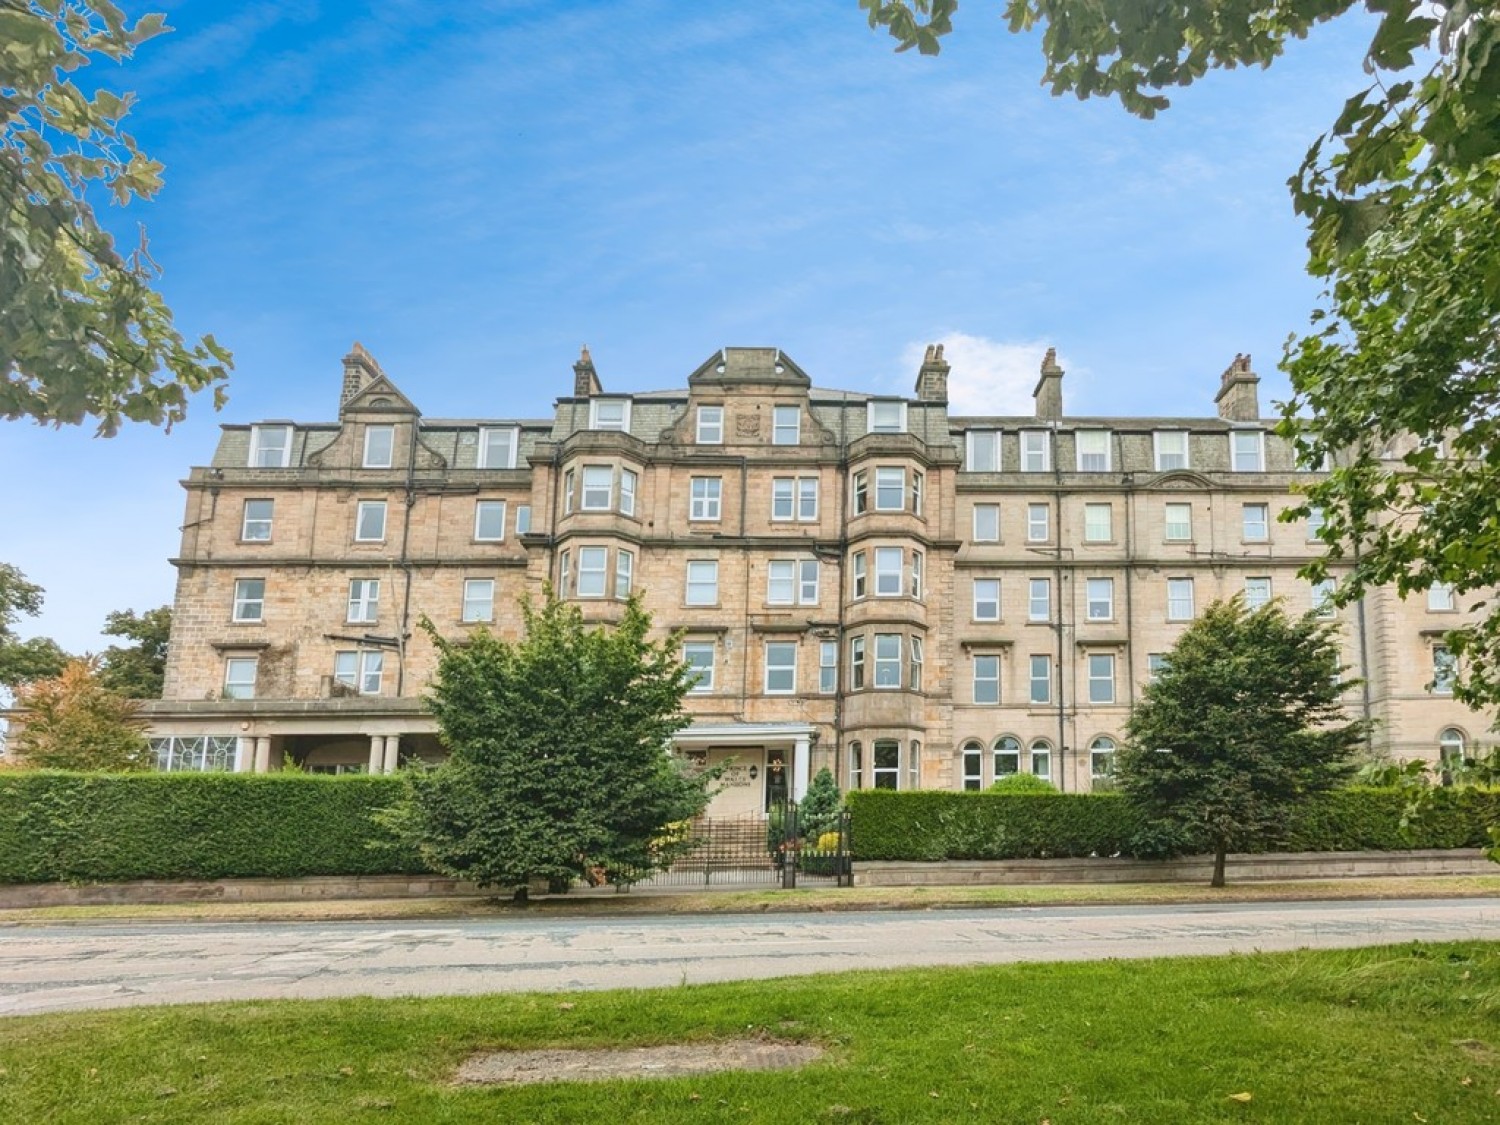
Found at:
(62, 967)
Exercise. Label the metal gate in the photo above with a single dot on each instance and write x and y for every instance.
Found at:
(768, 850)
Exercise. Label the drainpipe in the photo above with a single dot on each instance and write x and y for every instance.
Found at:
(1366, 706)
(1058, 770)
(405, 558)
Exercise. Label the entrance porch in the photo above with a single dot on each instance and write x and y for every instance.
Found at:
(765, 763)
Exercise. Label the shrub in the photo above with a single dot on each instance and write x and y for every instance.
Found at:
(1022, 783)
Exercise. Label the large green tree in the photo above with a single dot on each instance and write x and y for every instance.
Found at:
(1244, 723)
(23, 661)
(1400, 195)
(83, 333)
(138, 669)
(558, 763)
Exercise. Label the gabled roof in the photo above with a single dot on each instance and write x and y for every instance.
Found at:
(735, 366)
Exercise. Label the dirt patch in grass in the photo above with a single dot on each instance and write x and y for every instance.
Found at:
(672, 1060)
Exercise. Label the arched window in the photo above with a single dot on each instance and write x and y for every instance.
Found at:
(1452, 753)
(856, 765)
(973, 763)
(1041, 759)
(1102, 761)
(1007, 756)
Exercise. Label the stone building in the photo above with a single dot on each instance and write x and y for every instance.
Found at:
(864, 582)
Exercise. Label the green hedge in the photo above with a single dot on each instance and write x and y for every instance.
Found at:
(937, 825)
(69, 827)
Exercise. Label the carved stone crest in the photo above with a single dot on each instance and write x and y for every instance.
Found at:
(747, 425)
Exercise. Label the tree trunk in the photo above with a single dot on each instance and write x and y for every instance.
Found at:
(1220, 850)
(523, 895)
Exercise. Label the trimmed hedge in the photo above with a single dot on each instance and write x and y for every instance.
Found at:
(936, 825)
(71, 827)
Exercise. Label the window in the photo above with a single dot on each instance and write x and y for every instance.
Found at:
(1038, 521)
(786, 425)
(255, 527)
(1257, 593)
(856, 765)
(1041, 758)
(249, 599)
(916, 574)
(624, 573)
(710, 425)
(828, 667)
(1039, 599)
(914, 670)
(270, 447)
(1315, 523)
(781, 667)
(569, 484)
(982, 451)
(1246, 451)
(886, 771)
(1098, 523)
(1099, 599)
(497, 447)
(890, 489)
(239, 677)
(360, 670)
(807, 498)
(986, 599)
(888, 572)
(887, 660)
(593, 564)
(364, 600)
(859, 580)
(1255, 523)
(202, 753)
(369, 521)
(1452, 751)
(1093, 450)
(704, 495)
(1101, 677)
(598, 487)
(1035, 451)
(1444, 670)
(479, 600)
(986, 523)
(856, 663)
(703, 582)
(887, 417)
(986, 678)
(860, 485)
(1179, 599)
(794, 498)
(917, 481)
(628, 481)
(1179, 522)
(609, 414)
(1041, 679)
(564, 572)
(699, 657)
(523, 519)
(973, 761)
(1102, 759)
(807, 582)
(781, 581)
(1440, 597)
(1007, 757)
(1156, 663)
(380, 444)
(489, 519)
(1171, 450)
(1322, 598)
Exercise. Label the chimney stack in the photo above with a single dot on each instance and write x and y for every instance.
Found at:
(1048, 393)
(585, 378)
(932, 377)
(1238, 399)
(359, 369)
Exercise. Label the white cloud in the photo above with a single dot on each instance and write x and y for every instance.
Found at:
(989, 376)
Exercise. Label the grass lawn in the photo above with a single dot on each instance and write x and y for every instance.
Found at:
(1396, 1034)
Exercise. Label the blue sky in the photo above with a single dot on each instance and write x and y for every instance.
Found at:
(476, 190)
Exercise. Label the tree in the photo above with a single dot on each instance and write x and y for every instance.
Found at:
(82, 332)
(23, 661)
(1402, 198)
(558, 765)
(818, 811)
(1243, 724)
(73, 722)
(136, 671)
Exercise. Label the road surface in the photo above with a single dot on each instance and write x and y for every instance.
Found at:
(55, 968)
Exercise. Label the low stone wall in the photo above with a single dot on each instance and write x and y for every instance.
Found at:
(1189, 869)
(307, 889)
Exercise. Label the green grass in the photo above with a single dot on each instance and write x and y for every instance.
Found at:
(1397, 1034)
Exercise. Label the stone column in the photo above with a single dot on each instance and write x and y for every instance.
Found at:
(392, 753)
(377, 753)
(263, 754)
(244, 754)
(801, 766)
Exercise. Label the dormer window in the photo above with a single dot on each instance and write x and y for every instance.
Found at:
(497, 447)
(983, 451)
(710, 425)
(1093, 451)
(886, 417)
(380, 444)
(609, 414)
(270, 447)
(1247, 451)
